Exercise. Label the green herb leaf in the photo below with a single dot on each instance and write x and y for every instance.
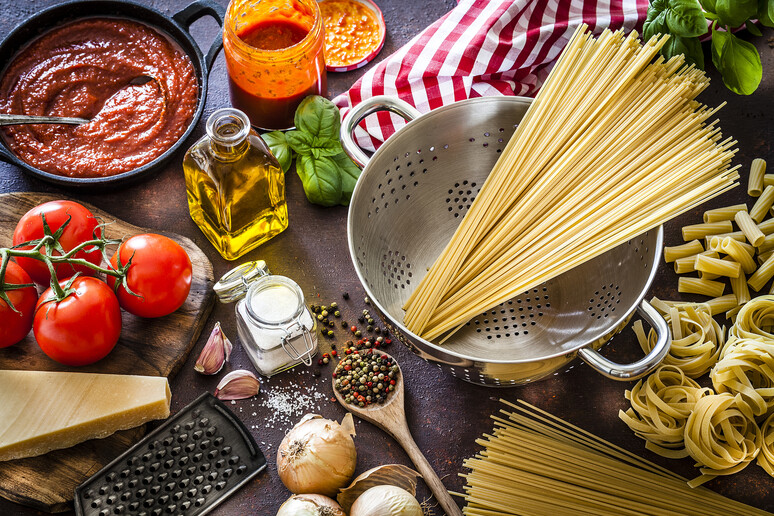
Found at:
(279, 146)
(300, 141)
(325, 147)
(766, 12)
(708, 5)
(738, 62)
(321, 179)
(685, 18)
(349, 175)
(676, 17)
(318, 116)
(734, 12)
(754, 30)
(690, 47)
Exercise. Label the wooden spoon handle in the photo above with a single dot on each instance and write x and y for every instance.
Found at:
(403, 436)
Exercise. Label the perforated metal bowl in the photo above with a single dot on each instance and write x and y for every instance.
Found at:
(408, 202)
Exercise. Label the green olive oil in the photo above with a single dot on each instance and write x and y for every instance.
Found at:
(235, 186)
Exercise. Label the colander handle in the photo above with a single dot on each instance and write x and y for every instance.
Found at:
(643, 366)
(362, 110)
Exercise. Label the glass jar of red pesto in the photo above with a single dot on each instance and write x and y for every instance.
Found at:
(274, 56)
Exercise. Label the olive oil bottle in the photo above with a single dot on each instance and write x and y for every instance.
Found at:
(235, 186)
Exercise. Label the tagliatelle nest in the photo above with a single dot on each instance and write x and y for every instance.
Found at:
(661, 405)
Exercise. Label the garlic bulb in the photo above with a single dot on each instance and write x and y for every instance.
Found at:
(310, 505)
(318, 455)
(386, 501)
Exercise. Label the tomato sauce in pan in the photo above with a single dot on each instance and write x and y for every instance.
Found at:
(85, 69)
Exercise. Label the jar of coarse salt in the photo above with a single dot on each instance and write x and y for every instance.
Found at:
(275, 326)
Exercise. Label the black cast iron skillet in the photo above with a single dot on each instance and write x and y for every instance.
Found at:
(175, 27)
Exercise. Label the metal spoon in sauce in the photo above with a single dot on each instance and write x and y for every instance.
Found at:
(33, 119)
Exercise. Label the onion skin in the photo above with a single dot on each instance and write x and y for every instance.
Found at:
(317, 456)
(386, 501)
(310, 505)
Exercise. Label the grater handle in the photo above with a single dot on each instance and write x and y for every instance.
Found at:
(643, 366)
(362, 110)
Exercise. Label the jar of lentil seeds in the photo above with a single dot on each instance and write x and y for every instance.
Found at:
(275, 326)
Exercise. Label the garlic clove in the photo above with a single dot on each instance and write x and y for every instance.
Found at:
(237, 385)
(215, 353)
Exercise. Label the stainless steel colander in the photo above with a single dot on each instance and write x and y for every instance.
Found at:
(411, 197)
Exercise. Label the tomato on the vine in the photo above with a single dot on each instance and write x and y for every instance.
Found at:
(15, 325)
(81, 228)
(81, 328)
(160, 275)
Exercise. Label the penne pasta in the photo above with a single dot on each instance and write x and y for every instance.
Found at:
(754, 235)
(739, 253)
(767, 226)
(740, 289)
(768, 179)
(710, 228)
(722, 304)
(762, 206)
(730, 269)
(762, 275)
(700, 286)
(688, 263)
(724, 213)
(681, 251)
(755, 181)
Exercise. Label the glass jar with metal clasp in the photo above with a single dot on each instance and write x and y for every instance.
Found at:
(275, 326)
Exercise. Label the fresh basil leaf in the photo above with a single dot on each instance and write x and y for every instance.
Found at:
(754, 30)
(319, 117)
(326, 147)
(766, 12)
(708, 5)
(300, 141)
(689, 47)
(280, 147)
(349, 174)
(685, 18)
(738, 62)
(655, 21)
(321, 179)
(733, 13)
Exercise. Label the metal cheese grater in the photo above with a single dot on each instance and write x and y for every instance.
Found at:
(187, 466)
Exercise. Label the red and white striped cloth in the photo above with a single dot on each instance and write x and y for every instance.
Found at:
(481, 48)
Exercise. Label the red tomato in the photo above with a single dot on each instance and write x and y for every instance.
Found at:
(80, 229)
(83, 327)
(15, 326)
(160, 274)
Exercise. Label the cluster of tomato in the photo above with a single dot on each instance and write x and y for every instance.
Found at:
(84, 327)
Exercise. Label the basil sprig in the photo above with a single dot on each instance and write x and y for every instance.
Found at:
(738, 61)
(327, 173)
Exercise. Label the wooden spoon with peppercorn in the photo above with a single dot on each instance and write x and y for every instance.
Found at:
(390, 416)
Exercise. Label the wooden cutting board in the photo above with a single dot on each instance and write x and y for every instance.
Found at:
(153, 347)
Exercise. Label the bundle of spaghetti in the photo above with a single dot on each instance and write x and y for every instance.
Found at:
(746, 370)
(613, 145)
(536, 463)
(755, 320)
(720, 437)
(660, 408)
(697, 338)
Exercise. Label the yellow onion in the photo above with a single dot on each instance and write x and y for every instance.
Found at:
(318, 455)
(310, 505)
(386, 501)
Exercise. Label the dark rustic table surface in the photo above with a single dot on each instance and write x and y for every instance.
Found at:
(446, 415)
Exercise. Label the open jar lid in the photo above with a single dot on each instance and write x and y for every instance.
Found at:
(354, 33)
(234, 284)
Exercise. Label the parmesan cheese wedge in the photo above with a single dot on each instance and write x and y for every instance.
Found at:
(43, 411)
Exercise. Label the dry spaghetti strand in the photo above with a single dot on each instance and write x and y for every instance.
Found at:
(613, 145)
(534, 463)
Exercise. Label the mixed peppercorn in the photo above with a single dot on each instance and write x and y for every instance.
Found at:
(364, 375)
